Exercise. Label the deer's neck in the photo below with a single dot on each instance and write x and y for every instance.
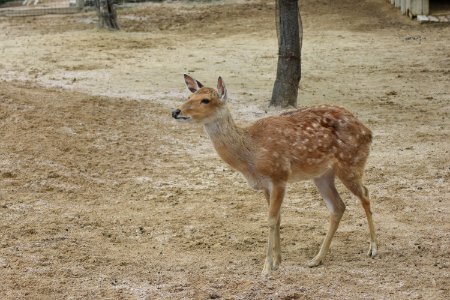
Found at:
(231, 142)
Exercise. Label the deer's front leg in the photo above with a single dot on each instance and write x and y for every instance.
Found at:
(276, 244)
(273, 244)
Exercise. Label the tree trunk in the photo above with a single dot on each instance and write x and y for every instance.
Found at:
(106, 13)
(290, 35)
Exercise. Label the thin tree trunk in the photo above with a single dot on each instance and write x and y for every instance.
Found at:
(290, 35)
(106, 13)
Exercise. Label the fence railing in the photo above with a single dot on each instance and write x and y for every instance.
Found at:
(40, 7)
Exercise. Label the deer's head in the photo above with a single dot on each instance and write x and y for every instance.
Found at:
(204, 105)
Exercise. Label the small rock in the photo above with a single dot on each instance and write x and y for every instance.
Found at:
(391, 93)
(433, 19)
(4, 263)
(8, 175)
(422, 19)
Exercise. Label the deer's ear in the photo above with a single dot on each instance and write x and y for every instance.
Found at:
(192, 84)
(221, 89)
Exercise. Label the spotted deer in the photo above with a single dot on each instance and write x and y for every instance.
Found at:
(317, 143)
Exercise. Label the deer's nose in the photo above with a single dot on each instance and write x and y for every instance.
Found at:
(176, 113)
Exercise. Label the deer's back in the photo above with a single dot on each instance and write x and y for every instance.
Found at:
(304, 142)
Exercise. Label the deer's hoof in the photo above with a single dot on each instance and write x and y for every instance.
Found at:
(268, 268)
(276, 262)
(314, 262)
(372, 250)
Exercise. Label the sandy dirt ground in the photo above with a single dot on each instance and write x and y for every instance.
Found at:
(104, 196)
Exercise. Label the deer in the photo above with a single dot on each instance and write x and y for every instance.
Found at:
(315, 143)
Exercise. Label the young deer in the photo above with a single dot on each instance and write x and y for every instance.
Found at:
(317, 143)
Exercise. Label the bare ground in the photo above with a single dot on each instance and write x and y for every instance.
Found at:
(102, 195)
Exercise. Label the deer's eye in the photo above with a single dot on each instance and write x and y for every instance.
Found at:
(205, 101)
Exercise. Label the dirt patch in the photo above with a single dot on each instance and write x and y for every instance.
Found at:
(106, 197)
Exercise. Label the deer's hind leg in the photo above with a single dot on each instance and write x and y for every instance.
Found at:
(354, 183)
(327, 189)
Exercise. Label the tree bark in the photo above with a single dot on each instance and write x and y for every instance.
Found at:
(106, 13)
(290, 36)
